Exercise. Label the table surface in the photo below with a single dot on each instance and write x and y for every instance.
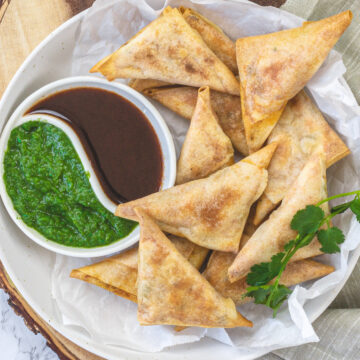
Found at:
(17, 38)
(16, 340)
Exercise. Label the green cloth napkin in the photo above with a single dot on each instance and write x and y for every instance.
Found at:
(339, 326)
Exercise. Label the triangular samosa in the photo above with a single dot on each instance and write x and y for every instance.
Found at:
(144, 84)
(271, 236)
(182, 100)
(214, 37)
(263, 157)
(171, 291)
(198, 256)
(206, 148)
(170, 50)
(118, 273)
(296, 272)
(300, 132)
(210, 212)
(274, 67)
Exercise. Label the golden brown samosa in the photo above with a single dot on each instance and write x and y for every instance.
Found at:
(170, 50)
(171, 291)
(222, 46)
(182, 100)
(297, 272)
(118, 273)
(271, 236)
(273, 68)
(300, 132)
(144, 84)
(245, 236)
(210, 212)
(198, 256)
(263, 157)
(206, 148)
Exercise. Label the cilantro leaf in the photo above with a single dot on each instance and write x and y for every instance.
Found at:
(279, 295)
(330, 238)
(260, 294)
(355, 208)
(261, 274)
(270, 295)
(275, 264)
(307, 221)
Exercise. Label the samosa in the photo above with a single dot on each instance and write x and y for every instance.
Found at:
(271, 237)
(118, 273)
(171, 291)
(222, 46)
(210, 212)
(182, 100)
(206, 148)
(300, 132)
(261, 158)
(274, 67)
(170, 50)
(296, 272)
(144, 84)
(198, 256)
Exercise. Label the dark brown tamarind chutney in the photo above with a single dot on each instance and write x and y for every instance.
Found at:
(119, 140)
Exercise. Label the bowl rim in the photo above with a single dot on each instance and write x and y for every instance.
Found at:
(155, 118)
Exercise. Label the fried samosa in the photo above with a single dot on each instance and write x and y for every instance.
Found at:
(297, 272)
(263, 157)
(300, 132)
(271, 237)
(198, 256)
(273, 68)
(144, 84)
(170, 50)
(118, 273)
(222, 46)
(171, 291)
(182, 100)
(206, 148)
(210, 212)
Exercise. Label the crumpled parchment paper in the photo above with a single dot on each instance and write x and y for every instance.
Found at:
(111, 319)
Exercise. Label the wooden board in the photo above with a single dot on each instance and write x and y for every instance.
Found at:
(23, 25)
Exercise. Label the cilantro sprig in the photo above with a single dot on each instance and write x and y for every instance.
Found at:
(264, 279)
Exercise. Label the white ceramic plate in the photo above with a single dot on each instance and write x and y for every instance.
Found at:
(29, 265)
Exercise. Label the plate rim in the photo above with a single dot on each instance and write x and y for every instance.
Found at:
(80, 339)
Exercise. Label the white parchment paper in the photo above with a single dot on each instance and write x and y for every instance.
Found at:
(111, 319)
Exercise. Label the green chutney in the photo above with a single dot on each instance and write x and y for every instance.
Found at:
(51, 192)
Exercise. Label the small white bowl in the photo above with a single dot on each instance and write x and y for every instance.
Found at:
(157, 122)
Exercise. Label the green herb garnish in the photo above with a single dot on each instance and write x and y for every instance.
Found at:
(308, 223)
